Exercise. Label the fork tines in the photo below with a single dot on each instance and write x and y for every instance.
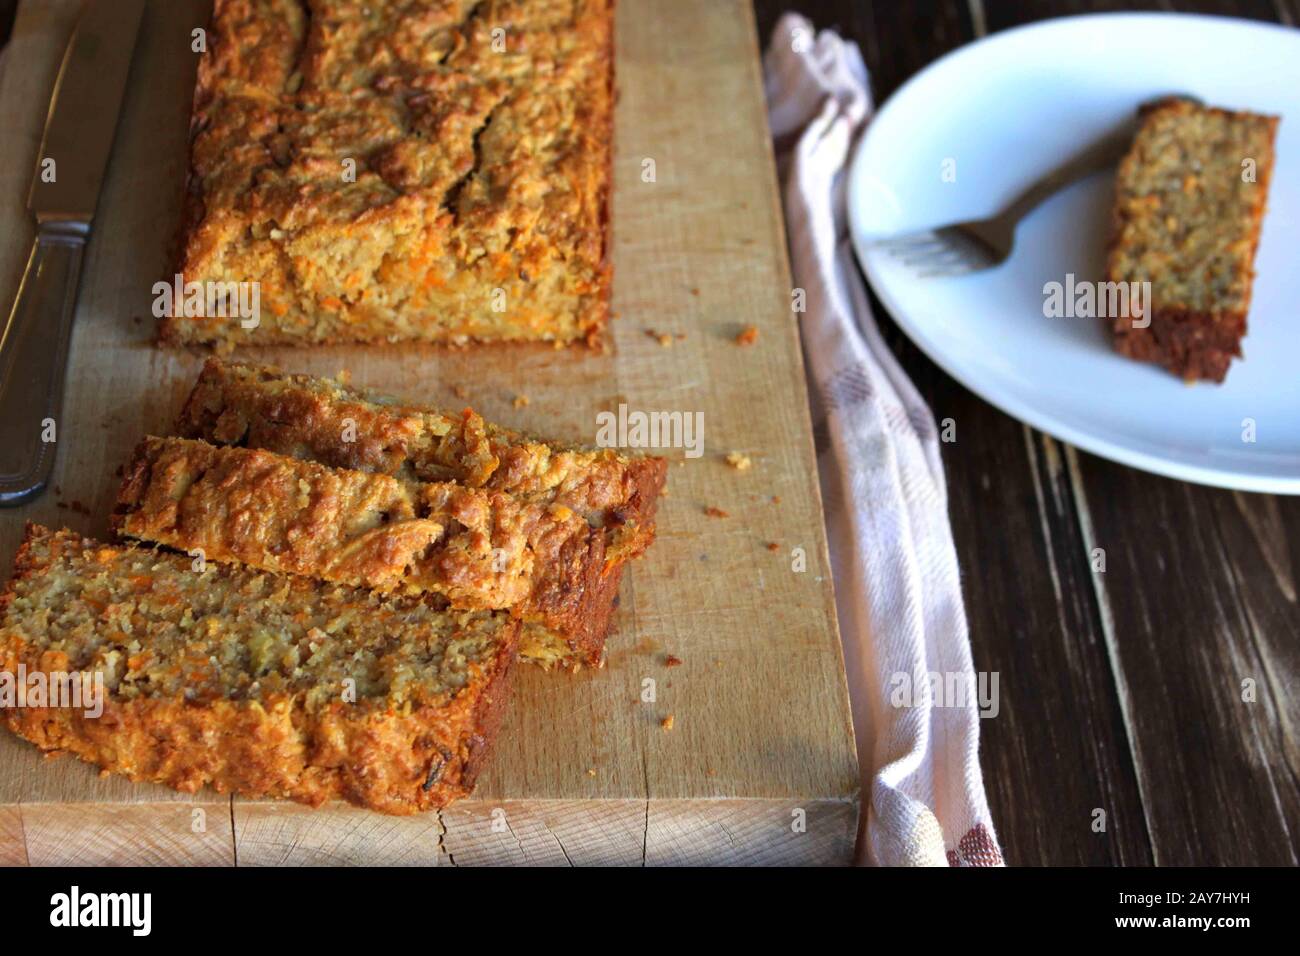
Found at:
(938, 252)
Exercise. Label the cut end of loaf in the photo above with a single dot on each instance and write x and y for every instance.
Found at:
(249, 682)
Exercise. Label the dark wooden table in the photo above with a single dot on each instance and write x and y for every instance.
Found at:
(1120, 691)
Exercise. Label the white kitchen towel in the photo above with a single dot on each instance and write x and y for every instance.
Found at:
(906, 645)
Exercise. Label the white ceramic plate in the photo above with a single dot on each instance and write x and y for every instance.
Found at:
(1002, 112)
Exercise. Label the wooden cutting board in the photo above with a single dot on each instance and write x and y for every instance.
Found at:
(759, 765)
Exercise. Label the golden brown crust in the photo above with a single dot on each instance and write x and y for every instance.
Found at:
(307, 418)
(399, 752)
(434, 171)
(481, 550)
(321, 420)
(576, 594)
(377, 760)
(1187, 220)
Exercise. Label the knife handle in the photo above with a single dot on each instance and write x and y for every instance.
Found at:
(34, 358)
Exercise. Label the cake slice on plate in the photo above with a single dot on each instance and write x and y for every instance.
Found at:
(1189, 204)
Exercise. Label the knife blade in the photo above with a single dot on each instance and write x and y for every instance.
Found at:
(78, 138)
(83, 112)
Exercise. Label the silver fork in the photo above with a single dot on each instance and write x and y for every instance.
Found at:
(965, 247)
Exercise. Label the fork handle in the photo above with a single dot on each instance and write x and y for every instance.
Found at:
(1103, 153)
(33, 360)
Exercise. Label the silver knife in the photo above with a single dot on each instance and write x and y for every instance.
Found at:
(69, 172)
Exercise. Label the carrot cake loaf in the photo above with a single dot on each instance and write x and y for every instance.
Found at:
(434, 170)
(256, 683)
(1190, 200)
(480, 549)
(322, 420)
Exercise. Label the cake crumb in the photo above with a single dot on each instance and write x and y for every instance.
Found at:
(591, 771)
(747, 336)
(521, 401)
(672, 661)
(667, 723)
(773, 546)
(739, 461)
(713, 512)
(663, 338)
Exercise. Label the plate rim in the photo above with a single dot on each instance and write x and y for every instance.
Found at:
(1176, 468)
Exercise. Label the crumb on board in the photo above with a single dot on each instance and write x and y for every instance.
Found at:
(748, 335)
(667, 723)
(672, 660)
(739, 461)
(521, 401)
(695, 291)
(773, 546)
(666, 339)
(591, 771)
(460, 391)
(714, 512)
(776, 499)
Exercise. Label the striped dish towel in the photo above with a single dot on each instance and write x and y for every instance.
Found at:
(897, 588)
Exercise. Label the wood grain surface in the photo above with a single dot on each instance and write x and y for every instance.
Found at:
(584, 771)
(1120, 691)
